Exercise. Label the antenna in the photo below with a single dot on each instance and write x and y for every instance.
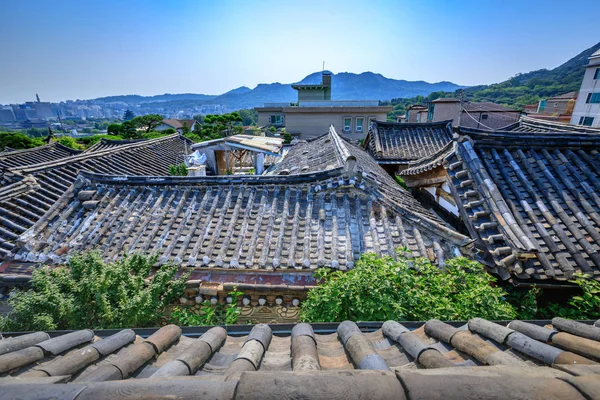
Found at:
(37, 97)
(323, 67)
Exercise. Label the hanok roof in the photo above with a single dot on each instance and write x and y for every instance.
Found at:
(530, 201)
(326, 218)
(105, 144)
(23, 203)
(478, 360)
(36, 155)
(529, 124)
(429, 162)
(400, 143)
(179, 123)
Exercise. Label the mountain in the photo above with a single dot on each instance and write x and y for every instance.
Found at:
(346, 86)
(134, 99)
(532, 86)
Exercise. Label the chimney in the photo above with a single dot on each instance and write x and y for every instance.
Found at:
(326, 82)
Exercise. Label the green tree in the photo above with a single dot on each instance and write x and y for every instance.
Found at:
(91, 293)
(114, 129)
(147, 122)
(381, 288)
(17, 140)
(287, 138)
(69, 142)
(129, 130)
(178, 170)
(129, 115)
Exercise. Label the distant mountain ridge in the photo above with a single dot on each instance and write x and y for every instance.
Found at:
(346, 86)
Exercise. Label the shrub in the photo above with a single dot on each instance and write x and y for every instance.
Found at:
(381, 288)
(91, 293)
(220, 314)
(88, 141)
(18, 141)
(287, 138)
(400, 181)
(69, 142)
(178, 170)
(154, 135)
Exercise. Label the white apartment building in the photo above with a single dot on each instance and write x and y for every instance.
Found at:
(587, 107)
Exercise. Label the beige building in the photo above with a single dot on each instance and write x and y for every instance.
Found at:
(314, 112)
(479, 115)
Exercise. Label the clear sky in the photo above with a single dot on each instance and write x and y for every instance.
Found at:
(81, 49)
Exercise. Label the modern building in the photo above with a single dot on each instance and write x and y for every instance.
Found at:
(7, 114)
(314, 112)
(587, 108)
(478, 115)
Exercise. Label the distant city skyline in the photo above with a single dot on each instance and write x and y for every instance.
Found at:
(69, 49)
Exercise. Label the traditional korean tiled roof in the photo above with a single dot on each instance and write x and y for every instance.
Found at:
(432, 360)
(529, 124)
(105, 144)
(303, 221)
(50, 152)
(32, 190)
(530, 201)
(401, 143)
(430, 162)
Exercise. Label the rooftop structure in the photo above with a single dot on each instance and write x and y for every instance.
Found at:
(481, 359)
(314, 112)
(397, 144)
(479, 115)
(31, 190)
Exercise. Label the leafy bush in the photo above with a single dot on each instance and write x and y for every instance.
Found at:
(585, 305)
(287, 138)
(219, 314)
(88, 141)
(400, 181)
(380, 288)
(154, 135)
(69, 142)
(18, 141)
(90, 293)
(178, 170)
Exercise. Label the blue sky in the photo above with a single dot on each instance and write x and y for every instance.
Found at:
(66, 49)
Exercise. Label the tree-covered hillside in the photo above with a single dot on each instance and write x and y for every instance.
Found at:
(522, 89)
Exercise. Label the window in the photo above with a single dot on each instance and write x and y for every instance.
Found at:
(586, 121)
(484, 116)
(276, 120)
(360, 121)
(347, 124)
(597, 73)
(593, 98)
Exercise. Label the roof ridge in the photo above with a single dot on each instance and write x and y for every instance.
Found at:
(88, 155)
(27, 183)
(342, 153)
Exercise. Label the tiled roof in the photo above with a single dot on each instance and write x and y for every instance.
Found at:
(429, 162)
(178, 123)
(105, 144)
(22, 203)
(478, 360)
(390, 142)
(530, 201)
(50, 152)
(529, 124)
(325, 218)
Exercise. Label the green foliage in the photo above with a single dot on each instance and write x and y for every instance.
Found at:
(178, 170)
(129, 130)
(249, 117)
(129, 115)
(287, 138)
(69, 142)
(147, 122)
(272, 129)
(400, 181)
(219, 314)
(154, 135)
(90, 293)
(381, 288)
(114, 129)
(169, 131)
(18, 141)
(89, 141)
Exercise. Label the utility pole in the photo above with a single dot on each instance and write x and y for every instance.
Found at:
(461, 98)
